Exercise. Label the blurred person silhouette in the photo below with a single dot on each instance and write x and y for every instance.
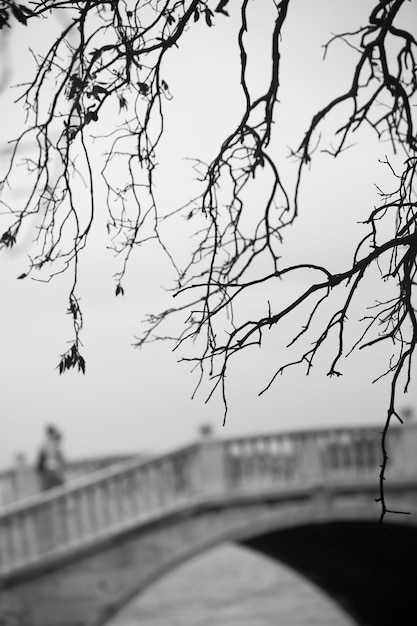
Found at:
(50, 465)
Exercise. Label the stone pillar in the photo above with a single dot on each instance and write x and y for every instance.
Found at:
(308, 462)
(404, 455)
(26, 479)
(210, 468)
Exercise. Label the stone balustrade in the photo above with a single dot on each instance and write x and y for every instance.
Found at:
(137, 491)
(92, 507)
(22, 480)
(306, 455)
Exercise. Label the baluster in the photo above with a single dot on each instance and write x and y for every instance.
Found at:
(6, 546)
(133, 489)
(281, 462)
(71, 518)
(230, 464)
(275, 459)
(265, 461)
(357, 450)
(17, 537)
(137, 494)
(147, 491)
(373, 449)
(109, 504)
(361, 449)
(113, 502)
(280, 466)
(94, 509)
(287, 451)
(260, 462)
(322, 445)
(141, 489)
(28, 531)
(3, 545)
(45, 527)
(270, 451)
(86, 513)
(159, 483)
(324, 453)
(172, 478)
(81, 519)
(118, 495)
(169, 480)
(188, 462)
(125, 496)
(29, 534)
(176, 477)
(6, 488)
(242, 462)
(255, 460)
(121, 498)
(339, 456)
(180, 475)
(125, 488)
(97, 497)
(331, 453)
(156, 484)
(247, 461)
(59, 511)
(192, 462)
(347, 450)
(235, 464)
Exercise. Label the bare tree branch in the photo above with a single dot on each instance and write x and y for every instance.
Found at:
(110, 55)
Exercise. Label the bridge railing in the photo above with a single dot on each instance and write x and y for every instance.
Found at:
(22, 480)
(328, 454)
(88, 509)
(110, 501)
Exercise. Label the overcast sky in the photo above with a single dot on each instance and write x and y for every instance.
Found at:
(131, 400)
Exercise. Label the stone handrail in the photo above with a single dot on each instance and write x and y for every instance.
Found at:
(22, 480)
(104, 502)
(107, 502)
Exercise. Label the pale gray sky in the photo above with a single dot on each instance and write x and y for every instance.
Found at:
(132, 400)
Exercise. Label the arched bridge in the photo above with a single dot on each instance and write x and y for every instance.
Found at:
(75, 555)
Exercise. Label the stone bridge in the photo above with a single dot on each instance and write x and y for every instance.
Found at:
(76, 555)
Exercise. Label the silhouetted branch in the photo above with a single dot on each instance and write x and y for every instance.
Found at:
(110, 55)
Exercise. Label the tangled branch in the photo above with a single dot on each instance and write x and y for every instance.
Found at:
(108, 61)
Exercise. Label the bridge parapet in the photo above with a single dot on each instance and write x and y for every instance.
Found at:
(312, 456)
(22, 480)
(49, 525)
(103, 503)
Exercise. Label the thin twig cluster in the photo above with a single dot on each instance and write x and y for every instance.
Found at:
(110, 58)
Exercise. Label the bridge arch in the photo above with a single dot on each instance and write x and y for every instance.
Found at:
(348, 570)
